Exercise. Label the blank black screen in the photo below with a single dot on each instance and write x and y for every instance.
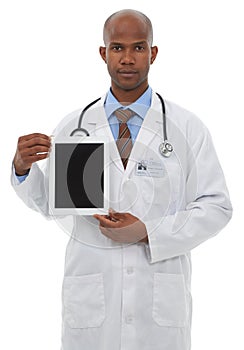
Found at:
(79, 179)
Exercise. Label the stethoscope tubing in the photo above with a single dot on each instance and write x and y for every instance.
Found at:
(165, 147)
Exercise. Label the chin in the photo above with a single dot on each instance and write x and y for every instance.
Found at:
(128, 87)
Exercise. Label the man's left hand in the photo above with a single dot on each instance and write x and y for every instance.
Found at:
(122, 227)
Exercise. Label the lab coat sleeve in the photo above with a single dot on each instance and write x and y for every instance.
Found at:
(206, 207)
(33, 191)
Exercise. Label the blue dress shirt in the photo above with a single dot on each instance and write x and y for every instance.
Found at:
(140, 107)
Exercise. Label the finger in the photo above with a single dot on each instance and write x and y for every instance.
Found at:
(35, 141)
(34, 151)
(98, 217)
(111, 210)
(39, 157)
(105, 222)
(35, 158)
(34, 135)
(117, 216)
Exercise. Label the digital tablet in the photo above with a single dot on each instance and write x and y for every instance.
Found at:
(78, 179)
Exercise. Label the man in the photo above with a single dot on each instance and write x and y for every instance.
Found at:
(127, 278)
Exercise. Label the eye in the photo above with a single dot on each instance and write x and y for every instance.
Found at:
(140, 48)
(117, 48)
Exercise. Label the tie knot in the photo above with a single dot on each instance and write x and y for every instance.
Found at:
(123, 115)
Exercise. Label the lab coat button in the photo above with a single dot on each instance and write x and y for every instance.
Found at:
(130, 270)
(129, 319)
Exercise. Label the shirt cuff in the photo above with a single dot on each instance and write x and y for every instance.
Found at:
(19, 178)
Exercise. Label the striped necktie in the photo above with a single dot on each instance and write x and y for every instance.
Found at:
(124, 142)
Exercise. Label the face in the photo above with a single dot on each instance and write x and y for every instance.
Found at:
(128, 53)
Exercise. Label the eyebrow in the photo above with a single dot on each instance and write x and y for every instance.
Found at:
(135, 43)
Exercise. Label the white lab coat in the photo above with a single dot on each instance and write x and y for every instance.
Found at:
(138, 296)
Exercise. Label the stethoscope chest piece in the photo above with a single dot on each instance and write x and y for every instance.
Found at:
(165, 149)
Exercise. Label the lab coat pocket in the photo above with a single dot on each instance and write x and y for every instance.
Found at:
(163, 189)
(169, 300)
(83, 298)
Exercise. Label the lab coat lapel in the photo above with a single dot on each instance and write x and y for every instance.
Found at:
(151, 128)
(98, 125)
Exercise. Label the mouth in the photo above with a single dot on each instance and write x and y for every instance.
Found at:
(127, 73)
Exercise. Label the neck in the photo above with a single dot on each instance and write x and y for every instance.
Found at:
(126, 97)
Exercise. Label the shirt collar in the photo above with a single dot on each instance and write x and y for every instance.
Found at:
(140, 106)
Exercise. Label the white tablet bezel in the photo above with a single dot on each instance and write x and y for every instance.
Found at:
(78, 211)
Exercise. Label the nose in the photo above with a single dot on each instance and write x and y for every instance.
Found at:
(127, 57)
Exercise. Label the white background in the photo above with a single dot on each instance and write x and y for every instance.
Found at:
(50, 66)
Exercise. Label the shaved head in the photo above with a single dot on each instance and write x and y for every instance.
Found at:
(125, 14)
(128, 53)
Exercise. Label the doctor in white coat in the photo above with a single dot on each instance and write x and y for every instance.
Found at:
(127, 283)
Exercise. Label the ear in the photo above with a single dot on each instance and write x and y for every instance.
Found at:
(154, 52)
(102, 51)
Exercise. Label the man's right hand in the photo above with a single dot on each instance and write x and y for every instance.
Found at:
(30, 149)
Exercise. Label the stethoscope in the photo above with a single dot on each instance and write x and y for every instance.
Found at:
(165, 148)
